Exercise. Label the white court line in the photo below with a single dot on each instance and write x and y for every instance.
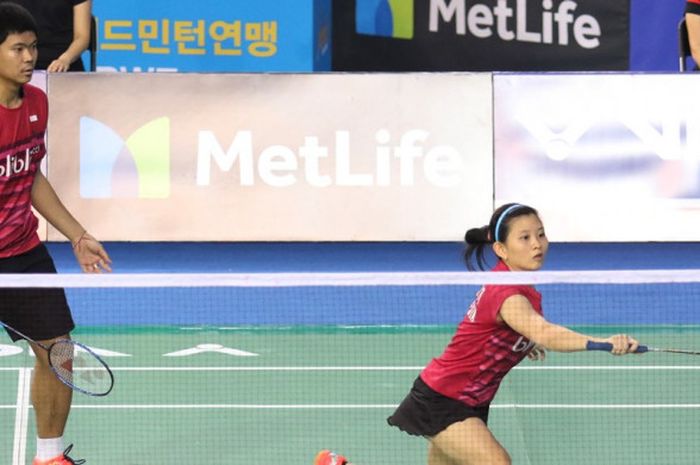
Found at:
(598, 406)
(399, 368)
(369, 406)
(387, 368)
(383, 406)
(273, 368)
(609, 367)
(19, 454)
(407, 368)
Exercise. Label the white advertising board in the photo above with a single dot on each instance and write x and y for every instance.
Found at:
(603, 157)
(273, 157)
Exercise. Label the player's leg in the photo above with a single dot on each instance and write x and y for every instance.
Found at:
(469, 442)
(437, 457)
(43, 315)
(50, 398)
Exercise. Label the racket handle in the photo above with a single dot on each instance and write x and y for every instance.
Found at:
(608, 347)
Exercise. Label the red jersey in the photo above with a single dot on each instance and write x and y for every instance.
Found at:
(22, 147)
(483, 350)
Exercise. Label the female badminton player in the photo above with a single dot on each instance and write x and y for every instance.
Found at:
(449, 401)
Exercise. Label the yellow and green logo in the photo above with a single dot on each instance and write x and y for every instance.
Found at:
(138, 167)
(387, 18)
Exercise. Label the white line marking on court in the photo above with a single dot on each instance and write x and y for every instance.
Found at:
(19, 454)
(272, 368)
(598, 406)
(203, 348)
(613, 367)
(370, 406)
(384, 368)
(397, 368)
(240, 406)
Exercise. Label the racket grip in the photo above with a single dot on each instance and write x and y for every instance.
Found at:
(607, 347)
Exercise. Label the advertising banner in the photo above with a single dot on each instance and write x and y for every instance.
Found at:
(273, 157)
(211, 36)
(610, 157)
(480, 35)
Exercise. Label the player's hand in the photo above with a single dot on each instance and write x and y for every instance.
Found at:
(622, 344)
(537, 353)
(90, 254)
(58, 66)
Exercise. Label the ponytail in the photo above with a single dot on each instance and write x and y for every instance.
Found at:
(477, 239)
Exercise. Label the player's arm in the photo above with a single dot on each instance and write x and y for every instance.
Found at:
(82, 22)
(518, 314)
(46, 202)
(88, 251)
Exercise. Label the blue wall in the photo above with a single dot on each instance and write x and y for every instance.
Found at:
(212, 257)
(389, 305)
(654, 38)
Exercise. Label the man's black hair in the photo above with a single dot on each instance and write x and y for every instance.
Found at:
(15, 19)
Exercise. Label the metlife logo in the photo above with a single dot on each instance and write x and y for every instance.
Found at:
(481, 35)
(513, 21)
(137, 166)
(388, 18)
(405, 164)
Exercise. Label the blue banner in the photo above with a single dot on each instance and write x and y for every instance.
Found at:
(654, 34)
(214, 36)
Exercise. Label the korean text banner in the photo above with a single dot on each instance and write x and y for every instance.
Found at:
(212, 36)
(273, 157)
(480, 35)
(611, 157)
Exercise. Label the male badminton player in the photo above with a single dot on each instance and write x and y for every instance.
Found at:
(449, 401)
(42, 314)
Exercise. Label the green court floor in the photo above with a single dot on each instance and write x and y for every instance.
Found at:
(262, 396)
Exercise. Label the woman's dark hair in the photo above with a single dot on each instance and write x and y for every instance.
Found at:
(497, 230)
(15, 19)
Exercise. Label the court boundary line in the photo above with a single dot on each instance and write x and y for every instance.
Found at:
(19, 448)
(364, 406)
(383, 406)
(380, 368)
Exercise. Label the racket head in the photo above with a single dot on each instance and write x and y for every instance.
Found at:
(80, 368)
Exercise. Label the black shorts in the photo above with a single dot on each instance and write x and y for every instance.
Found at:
(40, 313)
(425, 412)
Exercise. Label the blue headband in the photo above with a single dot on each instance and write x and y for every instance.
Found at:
(501, 217)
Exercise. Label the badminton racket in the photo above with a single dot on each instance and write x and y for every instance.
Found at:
(607, 347)
(76, 365)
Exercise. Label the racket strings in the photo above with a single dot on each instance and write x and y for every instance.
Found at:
(62, 356)
(80, 368)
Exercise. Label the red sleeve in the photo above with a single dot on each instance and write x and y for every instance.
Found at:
(39, 104)
(496, 295)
